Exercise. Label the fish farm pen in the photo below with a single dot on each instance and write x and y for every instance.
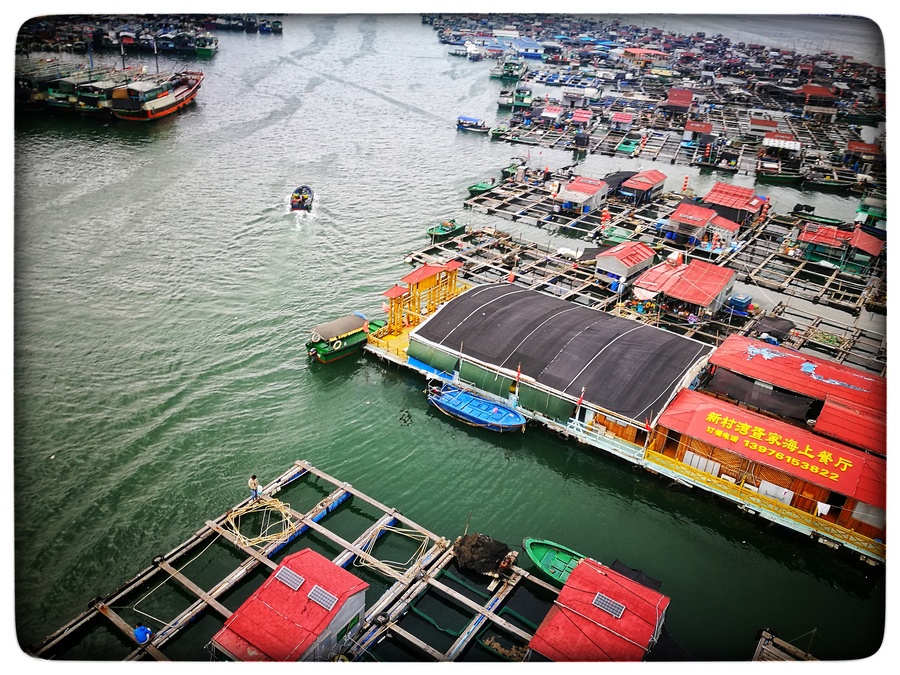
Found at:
(489, 255)
(229, 589)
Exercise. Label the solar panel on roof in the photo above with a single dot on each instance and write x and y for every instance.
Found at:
(289, 578)
(322, 597)
(609, 605)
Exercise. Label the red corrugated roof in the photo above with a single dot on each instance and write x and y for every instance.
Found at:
(801, 373)
(395, 291)
(681, 97)
(857, 425)
(765, 440)
(424, 272)
(659, 278)
(868, 148)
(866, 242)
(735, 197)
(824, 235)
(645, 180)
(278, 623)
(577, 630)
(631, 253)
(700, 283)
(726, 224)
(763, 122)
(815, 90)
(779, 136)
(584, 184)
(622, 117)
(701, 127)
(581, 115)
(693, 215)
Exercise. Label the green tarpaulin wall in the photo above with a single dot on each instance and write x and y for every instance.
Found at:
(544, 403)
(485, 379)
(435, 358)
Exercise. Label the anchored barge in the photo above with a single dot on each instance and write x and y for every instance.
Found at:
(262, 599)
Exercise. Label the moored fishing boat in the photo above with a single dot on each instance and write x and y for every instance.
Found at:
(445, 230)
(302, 199)
(478, 411)
(554, 560)
(62, 93)
(480, 188)
(498, 131)
(277, 26)
(341, 337)
(206, 44)
(464, 123)
(94, 99)
(153, 98)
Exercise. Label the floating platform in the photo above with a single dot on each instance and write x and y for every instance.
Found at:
(188, 594)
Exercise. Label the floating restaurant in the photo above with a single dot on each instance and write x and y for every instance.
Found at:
(767, 428)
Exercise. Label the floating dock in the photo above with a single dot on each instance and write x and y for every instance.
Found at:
(491, 621)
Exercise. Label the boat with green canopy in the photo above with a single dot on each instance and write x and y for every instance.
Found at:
(341, 337)
(554, 560)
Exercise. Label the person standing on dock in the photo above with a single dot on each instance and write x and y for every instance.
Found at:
(253, 484)
(142, 634)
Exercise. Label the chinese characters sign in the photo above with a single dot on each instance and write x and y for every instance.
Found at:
(808, 458)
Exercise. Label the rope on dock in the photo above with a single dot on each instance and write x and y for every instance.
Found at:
(369, 542)
(270, 508)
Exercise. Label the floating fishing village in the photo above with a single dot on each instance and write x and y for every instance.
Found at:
(633, 337)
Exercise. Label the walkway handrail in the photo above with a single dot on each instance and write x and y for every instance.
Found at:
(763, 503)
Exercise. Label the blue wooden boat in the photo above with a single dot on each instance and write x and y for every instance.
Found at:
(474, 409)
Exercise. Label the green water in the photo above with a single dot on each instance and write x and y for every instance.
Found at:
(163, 293)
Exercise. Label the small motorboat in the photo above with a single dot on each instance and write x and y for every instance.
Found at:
(302, 199)
(445, 230)
(476, 410)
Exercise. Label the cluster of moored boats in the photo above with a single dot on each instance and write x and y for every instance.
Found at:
(183, 34)
(787, 118)
(126, 94)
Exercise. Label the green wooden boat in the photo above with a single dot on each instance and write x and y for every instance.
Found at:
(480, 188)
(554, 560)
(341, 337)
(445, 230)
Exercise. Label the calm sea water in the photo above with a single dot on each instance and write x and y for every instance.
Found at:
(163, 293)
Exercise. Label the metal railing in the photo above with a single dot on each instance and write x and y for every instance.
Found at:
(772, 507)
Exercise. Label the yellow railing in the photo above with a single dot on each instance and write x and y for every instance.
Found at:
(773, 506)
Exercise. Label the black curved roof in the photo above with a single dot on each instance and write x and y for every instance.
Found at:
(626, 367)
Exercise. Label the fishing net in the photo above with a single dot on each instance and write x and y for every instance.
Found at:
(479, 553)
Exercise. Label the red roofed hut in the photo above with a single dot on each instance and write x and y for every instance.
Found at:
(583, 194)
(734, 202)
(643, 187)
(601, 615)
(305, 611)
